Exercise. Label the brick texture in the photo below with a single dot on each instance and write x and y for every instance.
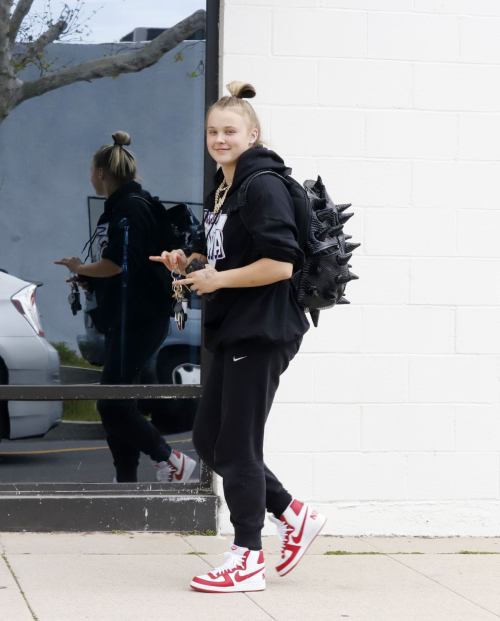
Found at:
(388, 420)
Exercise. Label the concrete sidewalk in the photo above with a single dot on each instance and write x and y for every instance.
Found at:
(145, 576)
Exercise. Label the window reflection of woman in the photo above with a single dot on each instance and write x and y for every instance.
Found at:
(113, 175)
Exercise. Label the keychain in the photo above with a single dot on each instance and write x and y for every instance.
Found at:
(74, 296)
(180, 302)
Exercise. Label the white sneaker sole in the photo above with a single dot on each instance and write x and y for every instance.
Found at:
(308, 537)
(205, 588)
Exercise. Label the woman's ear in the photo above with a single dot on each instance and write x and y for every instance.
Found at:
(253, 136)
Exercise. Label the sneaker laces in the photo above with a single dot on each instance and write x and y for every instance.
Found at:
(233, 561)
(284, 531)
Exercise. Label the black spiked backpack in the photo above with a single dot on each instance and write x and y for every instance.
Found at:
(321, 282)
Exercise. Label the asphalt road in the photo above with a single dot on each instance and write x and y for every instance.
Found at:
(84, 459)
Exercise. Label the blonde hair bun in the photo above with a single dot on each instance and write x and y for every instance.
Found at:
(241, 90)
(118, 162)
(121, 138)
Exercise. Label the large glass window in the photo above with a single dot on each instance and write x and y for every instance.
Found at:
(55, 335)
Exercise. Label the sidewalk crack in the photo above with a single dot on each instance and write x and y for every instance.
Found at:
(19, 587)
(259, 606)
(246, 594)
(443, 585)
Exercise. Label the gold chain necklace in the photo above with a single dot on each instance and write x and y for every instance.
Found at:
(220, 195)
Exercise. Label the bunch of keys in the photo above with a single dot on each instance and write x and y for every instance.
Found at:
(74, 296)
(180, 302)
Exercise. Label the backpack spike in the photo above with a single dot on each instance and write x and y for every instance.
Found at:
(314, 316)
(344, 217)
(346, 237)
(341, 279)
(335, 230)
(343, 301)
(341, 208)
(353, 276)
(319, 187)
(351, 247)
(318, 204)
(342, 259)
(321, 236)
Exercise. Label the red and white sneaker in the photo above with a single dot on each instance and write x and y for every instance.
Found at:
(178, 469)
(243, 571)
(297, 528)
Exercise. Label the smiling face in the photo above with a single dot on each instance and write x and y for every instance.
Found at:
(229, 135)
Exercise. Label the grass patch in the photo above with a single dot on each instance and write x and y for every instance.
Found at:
(205, 533)
(35, 618)
(70, 358)
(76, 410)
(81, 411)
(119, 532)
(197, 553)
(343, 552)
(470, 552)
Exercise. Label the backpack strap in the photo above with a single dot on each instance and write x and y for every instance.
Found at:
(139, 197)
(296, 192)
(243, 191)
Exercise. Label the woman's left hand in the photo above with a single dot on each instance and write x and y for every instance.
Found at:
(202, 281)
(72, 264)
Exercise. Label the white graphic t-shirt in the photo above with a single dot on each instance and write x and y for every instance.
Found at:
(102, 237)
(215, 237)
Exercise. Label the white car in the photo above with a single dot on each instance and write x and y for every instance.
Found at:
(25, 358)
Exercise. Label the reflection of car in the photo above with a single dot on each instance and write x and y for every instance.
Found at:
(25, 358)
(177, 361)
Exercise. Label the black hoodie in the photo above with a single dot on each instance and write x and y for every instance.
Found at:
(146, 299)
(266, 314)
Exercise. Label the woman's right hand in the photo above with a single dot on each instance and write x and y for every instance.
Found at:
(175, 260)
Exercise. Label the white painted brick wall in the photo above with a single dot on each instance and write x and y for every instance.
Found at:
(479, 40)
(456, 87)
(456, 184)
(407, 36)
(410, 134)
(479, 136)
(388, 420)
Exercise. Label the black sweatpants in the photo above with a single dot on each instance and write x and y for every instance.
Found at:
(228, 432)
(128, 432)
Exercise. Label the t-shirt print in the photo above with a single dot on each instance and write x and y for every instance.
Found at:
(214, 236)
(102, 237)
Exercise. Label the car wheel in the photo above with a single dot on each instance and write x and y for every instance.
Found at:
(175, 366)
(4, 411)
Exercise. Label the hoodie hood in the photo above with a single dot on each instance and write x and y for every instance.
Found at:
(251, 161)
(130, 187)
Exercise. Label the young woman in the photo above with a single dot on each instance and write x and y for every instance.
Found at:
(254, 327)
(113, 172)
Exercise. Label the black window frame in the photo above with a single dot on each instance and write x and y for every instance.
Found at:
(11, 493)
